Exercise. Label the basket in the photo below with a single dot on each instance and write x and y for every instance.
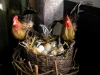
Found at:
(27, 62)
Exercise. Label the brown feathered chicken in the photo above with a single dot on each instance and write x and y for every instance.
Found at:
(21, 29)
(18, 29)
(68, 31)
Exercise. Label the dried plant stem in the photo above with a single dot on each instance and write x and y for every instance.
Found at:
(74, 8)
(21, 63)
(73, 72)
(17, 72)
(66, 44)
(21, 69)
(55, 63)
(29, 63)
(47, 60)
(33, 39)
(74, 54)
(21, 73)
(46, 72)
(14, 66)
(60, 74)
(36, 69)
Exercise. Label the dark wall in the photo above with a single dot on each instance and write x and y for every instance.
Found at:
(5, 52)
(87, 38)
(7, 41)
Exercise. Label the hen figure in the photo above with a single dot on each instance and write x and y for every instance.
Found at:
(18, 29)
(68, 31)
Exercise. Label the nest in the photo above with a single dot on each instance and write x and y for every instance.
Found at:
(28, 61)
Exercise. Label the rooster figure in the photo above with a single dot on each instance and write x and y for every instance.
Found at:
(68, 31)
(69, 22)
(18, 29)
(23, 25)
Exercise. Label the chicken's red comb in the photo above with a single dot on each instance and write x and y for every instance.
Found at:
(67, 17)
(67, 23)
(15, 18)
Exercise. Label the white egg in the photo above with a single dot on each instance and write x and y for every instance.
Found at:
(47, 47)
(41, 48)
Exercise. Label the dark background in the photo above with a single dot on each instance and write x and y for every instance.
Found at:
(87, 39)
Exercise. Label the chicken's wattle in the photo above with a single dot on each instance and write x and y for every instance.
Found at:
(15, 25)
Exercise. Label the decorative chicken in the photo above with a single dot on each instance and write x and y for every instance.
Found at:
(68, 31)
(24, 24)
(18, 29)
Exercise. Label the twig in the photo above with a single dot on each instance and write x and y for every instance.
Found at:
(74, 8)
(18, 55)
(21, 63)
(46, 72)
(66, 44)
(13, 65)
(21, 73)
(21, 69)
(55, 63)
(74, 54)
(17, 72)
(73, 72)
(36, 70)
(47, 60)
(60, 74)
(29, 63)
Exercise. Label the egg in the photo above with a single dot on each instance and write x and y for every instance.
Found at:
(38, 50)
(41, 48)
(47, 47)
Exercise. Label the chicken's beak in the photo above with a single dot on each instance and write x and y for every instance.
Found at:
(14, 23)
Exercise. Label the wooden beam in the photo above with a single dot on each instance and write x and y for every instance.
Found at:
(50, 10)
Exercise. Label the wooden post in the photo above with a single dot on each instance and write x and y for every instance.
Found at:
(33, 3)
(50, 10)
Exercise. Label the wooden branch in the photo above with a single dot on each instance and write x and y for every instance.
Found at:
(72, 73)
(17, 72)
(21, 64)
(21, 73)
(29, 63)
(36, 69)
(55, 63)
(21, 68)
(60, 74)
(74, 54)
(14, 66)
(46, 72)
